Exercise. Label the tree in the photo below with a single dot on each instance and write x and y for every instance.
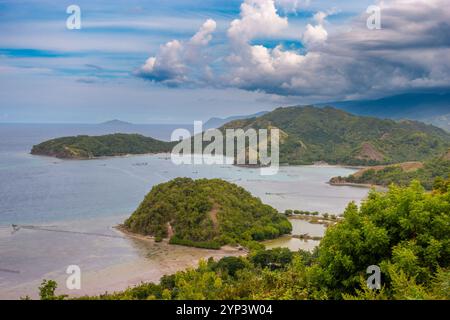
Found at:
(405, 227)
(273, 259)
(47, 291)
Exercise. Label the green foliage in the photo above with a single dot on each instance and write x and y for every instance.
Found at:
(198, 244)
(441, 185)
(440, 285)
(206, 213)
(47, 291)
(230, 265)
(87, 147)
(404, 231)
(437, 168)
(199, 284)
(273, 259)
(326, 134)
(306, 213)
(406, 228)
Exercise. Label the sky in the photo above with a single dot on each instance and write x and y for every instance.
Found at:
(173, 61)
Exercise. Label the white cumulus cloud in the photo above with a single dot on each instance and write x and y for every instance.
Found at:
(316, 34)
(175, 59)
(258, 18)
(204, 35)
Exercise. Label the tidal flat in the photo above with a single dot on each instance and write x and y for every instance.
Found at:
(75, 206)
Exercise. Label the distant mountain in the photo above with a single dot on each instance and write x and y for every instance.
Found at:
(116, 122)
(218, 122)
(309, 134)
(428, 107)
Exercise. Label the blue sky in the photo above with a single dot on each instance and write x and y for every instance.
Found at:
(162, 62)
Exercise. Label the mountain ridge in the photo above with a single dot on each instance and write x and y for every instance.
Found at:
(312, 134)
(431, 108)
(216, 122)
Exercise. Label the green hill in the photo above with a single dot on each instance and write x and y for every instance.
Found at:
(205, 213)
(311, 134)
(88, 147)
(402, 174)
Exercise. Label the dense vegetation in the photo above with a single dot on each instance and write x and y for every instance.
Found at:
(406, 232)
(87, 147)
(427, 174)
(206, 213)
(311, 134)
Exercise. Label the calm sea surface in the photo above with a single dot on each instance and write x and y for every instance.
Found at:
(67, 208)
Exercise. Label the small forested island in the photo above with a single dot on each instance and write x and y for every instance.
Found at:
(428, 173)
(206, 213)
(89, 147)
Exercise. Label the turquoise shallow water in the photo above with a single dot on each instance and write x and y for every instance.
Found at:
(93, 196)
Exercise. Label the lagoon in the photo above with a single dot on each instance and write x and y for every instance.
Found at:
(74, 205)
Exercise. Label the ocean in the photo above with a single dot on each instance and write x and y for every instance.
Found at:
(66, 210)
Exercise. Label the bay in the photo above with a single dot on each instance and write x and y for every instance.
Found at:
(69, 208)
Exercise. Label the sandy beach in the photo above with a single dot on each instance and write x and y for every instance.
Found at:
(155, 261)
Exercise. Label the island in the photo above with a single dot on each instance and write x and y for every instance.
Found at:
(116, 122)
(90, 147)
(206, 213)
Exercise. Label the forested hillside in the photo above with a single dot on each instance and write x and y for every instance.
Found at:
(311, 134)
(206, 213)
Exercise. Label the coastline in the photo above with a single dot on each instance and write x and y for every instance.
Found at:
(170, 259)
(167, 154)
(318, 164)
(99, 158)
(156, 260)
(123, 276)
(358, 185)
(153, 261)
(151, 239)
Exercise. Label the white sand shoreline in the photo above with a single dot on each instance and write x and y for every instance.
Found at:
(155, 261)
